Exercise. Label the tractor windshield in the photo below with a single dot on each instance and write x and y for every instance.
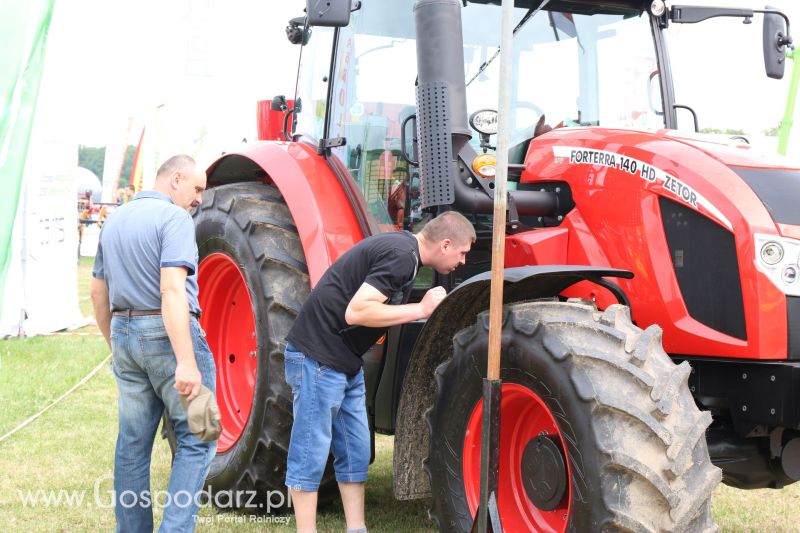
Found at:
(570, 69)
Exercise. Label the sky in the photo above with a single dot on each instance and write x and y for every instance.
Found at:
(204, 64)
(719, 71)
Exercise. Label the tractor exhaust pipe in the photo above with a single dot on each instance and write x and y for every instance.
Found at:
(442, 123)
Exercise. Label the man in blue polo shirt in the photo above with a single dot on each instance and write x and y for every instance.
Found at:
(144, 292)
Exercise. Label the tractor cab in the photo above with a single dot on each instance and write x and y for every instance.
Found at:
(575, 64)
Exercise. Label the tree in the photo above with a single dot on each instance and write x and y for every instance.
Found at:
(93, 158)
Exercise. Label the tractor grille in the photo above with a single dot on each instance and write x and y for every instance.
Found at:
(704, 259)
(793, 325)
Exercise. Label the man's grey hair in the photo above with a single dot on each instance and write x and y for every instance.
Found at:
(176, 163)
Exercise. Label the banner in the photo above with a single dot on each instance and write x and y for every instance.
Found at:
(116, 149)
(42, 292)
(136, 168)
(51, 296)
(24, 27)
(152, 151)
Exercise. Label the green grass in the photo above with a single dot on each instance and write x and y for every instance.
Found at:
(84, 279)
(757, 511)
(71, 448)
(34, 371)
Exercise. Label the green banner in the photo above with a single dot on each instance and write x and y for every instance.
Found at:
(24, 27)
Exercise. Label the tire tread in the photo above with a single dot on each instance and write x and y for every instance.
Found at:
(647, 429)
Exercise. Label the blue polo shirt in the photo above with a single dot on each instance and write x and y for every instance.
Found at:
(138, 239)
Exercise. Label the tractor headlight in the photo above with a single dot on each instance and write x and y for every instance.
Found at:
(778, 258)
(657, 8)
(789, 274)
(772, 253)
(485, 165)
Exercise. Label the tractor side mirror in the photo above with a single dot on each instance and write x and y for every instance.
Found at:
(776, 29)
(775, 40)
(335, 13)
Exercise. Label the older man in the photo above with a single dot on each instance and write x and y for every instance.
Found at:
(144, 292)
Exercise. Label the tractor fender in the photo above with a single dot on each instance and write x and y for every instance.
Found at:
(327, 208)
(434, 346)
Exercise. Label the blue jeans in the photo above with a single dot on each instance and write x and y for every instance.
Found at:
(144, 366)
(330, 414)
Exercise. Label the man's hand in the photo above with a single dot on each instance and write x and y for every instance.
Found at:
(431, 300)
(187, 380)
(175, 311)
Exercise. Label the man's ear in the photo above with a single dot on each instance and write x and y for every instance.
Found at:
(445, 244)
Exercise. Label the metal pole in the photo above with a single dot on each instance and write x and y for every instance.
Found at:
(492, 385)
(23, 217)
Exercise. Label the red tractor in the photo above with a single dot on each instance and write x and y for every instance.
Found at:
(650, 344)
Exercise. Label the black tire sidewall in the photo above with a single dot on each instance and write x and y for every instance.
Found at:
(218, 233)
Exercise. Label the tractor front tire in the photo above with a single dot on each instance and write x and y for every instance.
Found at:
(599, 431)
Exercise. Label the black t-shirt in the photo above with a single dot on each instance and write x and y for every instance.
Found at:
(389, 263)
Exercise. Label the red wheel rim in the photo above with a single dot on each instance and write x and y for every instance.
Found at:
(231, 334)
(523, 416)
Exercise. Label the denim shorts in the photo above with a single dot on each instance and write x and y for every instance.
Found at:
(330, 415)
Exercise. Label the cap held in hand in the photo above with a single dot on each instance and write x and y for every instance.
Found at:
(203, 415)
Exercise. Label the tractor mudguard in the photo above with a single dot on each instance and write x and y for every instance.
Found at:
(435, 345)
(326, 206)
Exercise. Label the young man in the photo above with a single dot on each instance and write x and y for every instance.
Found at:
(361, 295)
(144, 292)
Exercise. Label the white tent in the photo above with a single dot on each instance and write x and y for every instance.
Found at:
(41, 293)
(87, 181)
(41, 286)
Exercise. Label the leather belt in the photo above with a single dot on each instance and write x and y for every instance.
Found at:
(144, 312)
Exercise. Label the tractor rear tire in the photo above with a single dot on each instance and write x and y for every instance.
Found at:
(598, 427)
(246, 236)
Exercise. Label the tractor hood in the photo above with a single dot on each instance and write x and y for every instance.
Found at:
(775, 181)
(732, 150)
(732, 183)
(690, 218)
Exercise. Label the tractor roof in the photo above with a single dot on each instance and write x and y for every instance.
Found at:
(586, 7)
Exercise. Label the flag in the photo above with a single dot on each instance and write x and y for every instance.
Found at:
(24, 27)
(136, 169)
(116, 151)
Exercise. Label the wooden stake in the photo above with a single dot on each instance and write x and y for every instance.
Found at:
(500, 202)
(488, 518)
